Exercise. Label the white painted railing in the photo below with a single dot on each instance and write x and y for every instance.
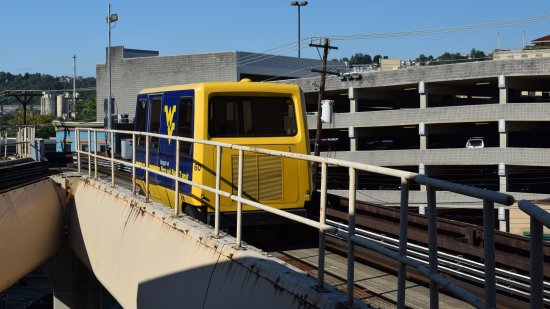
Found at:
(24, 137)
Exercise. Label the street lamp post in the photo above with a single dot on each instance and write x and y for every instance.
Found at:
(298, 4)
(111, 18)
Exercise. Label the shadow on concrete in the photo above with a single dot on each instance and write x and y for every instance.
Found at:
(245, 283)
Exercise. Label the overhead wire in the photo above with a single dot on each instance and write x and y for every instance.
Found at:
(480, 26)
(292, 47)
(263, 56)
(54, 90)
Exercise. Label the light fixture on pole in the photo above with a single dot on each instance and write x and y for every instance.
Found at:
(298, 4)
(111, 18)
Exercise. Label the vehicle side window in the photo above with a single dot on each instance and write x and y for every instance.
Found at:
(156, 107)
(185, 122)
(141, 120)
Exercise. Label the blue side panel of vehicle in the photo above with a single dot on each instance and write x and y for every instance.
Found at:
(140, 150)
(165, 158)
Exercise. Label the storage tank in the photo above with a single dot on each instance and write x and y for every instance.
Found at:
(48, 104)
(61, 106)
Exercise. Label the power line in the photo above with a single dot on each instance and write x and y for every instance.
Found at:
(481, 26)
(263, 56)
(291, 47)
(54, 90)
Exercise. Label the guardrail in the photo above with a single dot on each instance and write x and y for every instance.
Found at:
(539, 218)
(489, 199)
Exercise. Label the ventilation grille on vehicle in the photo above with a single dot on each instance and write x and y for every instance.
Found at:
(262, 178)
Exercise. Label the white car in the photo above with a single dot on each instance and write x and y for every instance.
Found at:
(475, 142)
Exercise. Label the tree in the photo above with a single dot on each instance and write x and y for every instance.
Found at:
(360, 58)
(477, 54)
(43, 123)
(423, 59)
(86, 110)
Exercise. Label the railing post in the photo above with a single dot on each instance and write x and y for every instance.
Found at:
(17, 140)
(177, 183)
(6, 144)
(403, 229)
(537, 260)
(322, 222)
(112, 159)
(25, 139)
(95, 154)
(239, 195)
(351, 233)
(77, 147)
(217, 201)
(133, 163)
(489, 253)
(432, 245)
(147, 168)
(89, 153)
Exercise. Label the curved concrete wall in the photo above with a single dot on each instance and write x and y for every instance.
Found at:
(31, 229)
(146, 257)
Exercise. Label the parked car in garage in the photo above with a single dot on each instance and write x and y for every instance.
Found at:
(475, 142)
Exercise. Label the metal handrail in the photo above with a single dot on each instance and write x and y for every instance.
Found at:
(488, 197)
(539, 218)
(508, 281)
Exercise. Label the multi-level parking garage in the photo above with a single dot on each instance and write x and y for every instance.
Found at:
(421, 118)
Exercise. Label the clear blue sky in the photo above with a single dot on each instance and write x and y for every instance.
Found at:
(41, 36)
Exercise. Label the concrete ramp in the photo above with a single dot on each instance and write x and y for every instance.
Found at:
(31, 229)
(147, 258)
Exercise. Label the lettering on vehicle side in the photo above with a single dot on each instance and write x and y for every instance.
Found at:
(170, 125)
(169, 171)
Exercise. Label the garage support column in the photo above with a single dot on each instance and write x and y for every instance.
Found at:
(423, 133)
(422, 171)
(422, 91)
(353, 95)
(503, 133)
(352, 134)
(502, 176)
(502, 90)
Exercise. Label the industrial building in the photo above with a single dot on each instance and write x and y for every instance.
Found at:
(57, 105)
(133, 70)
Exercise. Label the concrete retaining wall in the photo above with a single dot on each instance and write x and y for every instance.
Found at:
(31, 229)
(146, 257)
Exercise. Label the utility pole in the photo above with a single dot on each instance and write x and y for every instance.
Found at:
(73, 109)
(326, 47)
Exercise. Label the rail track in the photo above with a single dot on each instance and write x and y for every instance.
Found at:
(17, 173)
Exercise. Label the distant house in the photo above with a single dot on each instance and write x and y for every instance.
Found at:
(543, 42)
(540, 48)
